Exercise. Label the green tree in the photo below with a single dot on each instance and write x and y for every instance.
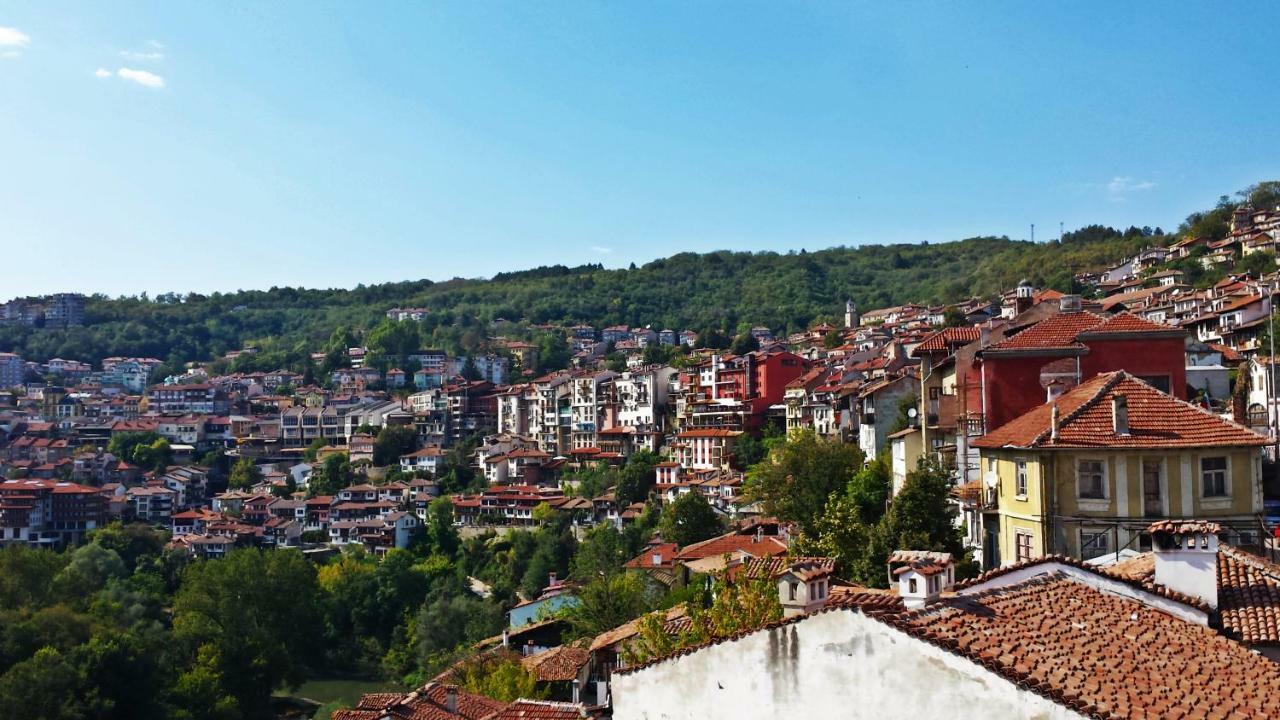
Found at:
(502, 678)
(392, 442)
(607, 602)
(795, 483)
(244, 475)
(744, 343)
(333, 475)
(637, 478)
(249, 620)
(690, 519)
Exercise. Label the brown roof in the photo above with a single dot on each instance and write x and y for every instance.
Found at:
(731, 543)
(1156, 420)
(1110, 657)
(947, 339)
(426, 703)
(1056, 331)
(1248, 592)
(559, 664)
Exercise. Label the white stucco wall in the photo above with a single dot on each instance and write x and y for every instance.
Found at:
(832, 665)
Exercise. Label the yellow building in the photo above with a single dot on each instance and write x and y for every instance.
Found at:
(1085, 475)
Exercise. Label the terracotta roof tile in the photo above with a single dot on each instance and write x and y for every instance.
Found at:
(427, 703)
(1109, 657)
(1156, 420)
(559, 664)
(1057, 331)
(947, 339)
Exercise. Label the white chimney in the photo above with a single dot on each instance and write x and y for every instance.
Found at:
(1120, 414)
(921, 576)
(451, 699)
(1054, 419)
(1187, 557)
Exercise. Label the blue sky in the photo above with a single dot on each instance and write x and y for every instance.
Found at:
(181, 146)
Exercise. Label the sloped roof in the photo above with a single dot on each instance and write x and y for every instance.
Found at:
(1110, 657)
(946, 339)
(427, 703)
(1248, 592)
(559, 664)
(1127, 323)
(1156, 420)
(1055, 331)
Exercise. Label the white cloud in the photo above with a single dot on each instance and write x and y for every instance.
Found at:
(13, 37)
(601, 250)
(12, 42)
(1121, 187)
(148, 56)
(102, 73)
(142, 77)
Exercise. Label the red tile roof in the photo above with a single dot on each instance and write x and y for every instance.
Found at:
(1109, 657)
(947, 339)
(731, 543)
(427, 703)
(559, 664)
(1126, 323)
(1248, 592)
(1156, 420)
(1056, 331)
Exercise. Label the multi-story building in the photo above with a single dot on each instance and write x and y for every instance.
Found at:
(1085, 474)
(12, 370)
(586, 407)
(64, 310)
(47, 512)
(194, 398)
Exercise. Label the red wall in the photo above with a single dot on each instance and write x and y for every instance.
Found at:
(1164, 356)
(1012, 384)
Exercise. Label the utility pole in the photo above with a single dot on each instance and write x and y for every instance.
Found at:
(1033, 232)
(1060, 233)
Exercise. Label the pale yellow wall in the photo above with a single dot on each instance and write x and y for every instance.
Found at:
(1181, 492)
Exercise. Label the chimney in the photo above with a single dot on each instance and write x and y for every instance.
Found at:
(1070, 304)
(921, 576)
(577, 692)
(451, 699)
(1120, 414)
(551, 579)
(1054, 419)
(1187, 557)
(506, 637)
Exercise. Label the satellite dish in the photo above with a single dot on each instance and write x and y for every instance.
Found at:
(912, 412)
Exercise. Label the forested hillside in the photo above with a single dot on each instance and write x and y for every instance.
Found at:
(721, 290)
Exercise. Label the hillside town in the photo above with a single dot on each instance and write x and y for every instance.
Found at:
(1110, 451)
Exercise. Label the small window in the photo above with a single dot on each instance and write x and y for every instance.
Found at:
(1094, 543)
(991, 465)
(1213, 475)
(795, 588)
(911, 586)
(1091, 480)
(1020, 481)
(1159, 382)
(1022, 546)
